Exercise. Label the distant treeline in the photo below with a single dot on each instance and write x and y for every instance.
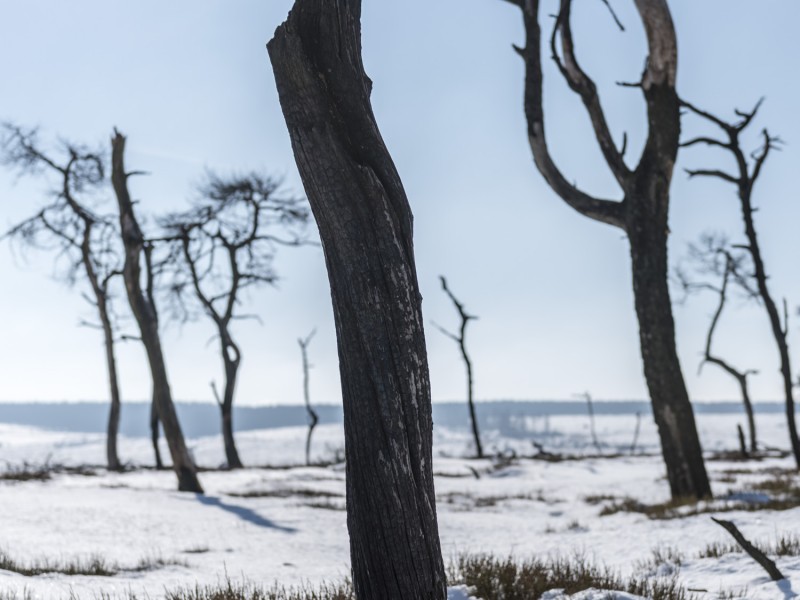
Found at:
(200, 419)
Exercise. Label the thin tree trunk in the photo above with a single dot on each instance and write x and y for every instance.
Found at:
(154, 435)
(461, 340)
(100, 291)
(144, 310)
(779, 330)
(313, 418)
(471, 403)
(112, 457)
(231, 365)
(365, 224)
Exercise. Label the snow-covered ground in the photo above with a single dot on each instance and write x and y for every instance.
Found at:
(288, 524)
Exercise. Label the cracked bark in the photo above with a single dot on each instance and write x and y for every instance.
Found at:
(365, 225)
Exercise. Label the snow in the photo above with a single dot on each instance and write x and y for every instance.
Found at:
(288, 525)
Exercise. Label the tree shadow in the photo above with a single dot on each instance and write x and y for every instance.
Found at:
(785, 586)
(243, 513)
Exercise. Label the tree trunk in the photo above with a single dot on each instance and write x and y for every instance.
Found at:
(365, 224)
(471, 402)
(154, 435)
(778, 330)
(226, 405)
(112, 457)
(680, 445)
(100, 291)
(748, 408)
(144, 310)
(313, 418)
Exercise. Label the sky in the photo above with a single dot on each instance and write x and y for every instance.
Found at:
(191, 86)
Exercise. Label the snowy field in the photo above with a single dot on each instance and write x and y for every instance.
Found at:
(267, 524)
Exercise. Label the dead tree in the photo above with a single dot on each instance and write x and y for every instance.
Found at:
(642, 213)
(748, 169)
(313, 418)
(141, 298)
(365, 224)
(460, 339)
(220, 248)
(70, 225)
(714, 257)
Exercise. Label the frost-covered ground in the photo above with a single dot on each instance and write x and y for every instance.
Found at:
(288, 524)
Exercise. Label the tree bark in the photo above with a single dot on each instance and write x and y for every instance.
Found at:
(642, 213)
(365, 225)
(672, 410)
(146, 315)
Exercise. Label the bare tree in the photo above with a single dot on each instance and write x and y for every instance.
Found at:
(460, 339)
(642, 213)
(366, 227)
(313, 418)
(70, 225)
(714, 257)
(141, 297)
(221, 247)
(748, 169)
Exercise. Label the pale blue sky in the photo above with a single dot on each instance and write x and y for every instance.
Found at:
(190, 84)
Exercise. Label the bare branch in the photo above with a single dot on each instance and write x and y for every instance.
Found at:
(713, 173)
(582, 84)
(606, 211)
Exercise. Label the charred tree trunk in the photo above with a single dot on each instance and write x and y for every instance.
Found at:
(154, 435)
(672, 410)
(144, 311)
(365, 224)
(313, 418)
(642, 213)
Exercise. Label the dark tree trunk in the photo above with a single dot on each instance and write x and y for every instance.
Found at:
(642, 213)
(100, 291)
(154, 435)
(779, 330)
(144, 311)
(112, 457)
(680, 445)
(365, 224)
(231, 359)
(461, 340)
